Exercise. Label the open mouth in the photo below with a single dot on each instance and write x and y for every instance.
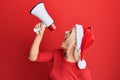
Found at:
(65, 38)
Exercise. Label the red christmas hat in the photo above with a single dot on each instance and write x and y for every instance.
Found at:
(87, 40)
(83, 42)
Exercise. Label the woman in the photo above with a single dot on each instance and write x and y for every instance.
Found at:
(64, 61)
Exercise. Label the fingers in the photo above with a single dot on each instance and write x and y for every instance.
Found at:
(42, 25)
(40, 28)
(37, 28)
(37, 25)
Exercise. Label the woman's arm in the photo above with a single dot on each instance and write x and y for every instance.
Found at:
(36, 43)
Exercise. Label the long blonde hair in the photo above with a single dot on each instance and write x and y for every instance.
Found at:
(70, 44)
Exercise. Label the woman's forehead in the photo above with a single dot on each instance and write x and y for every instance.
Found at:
(72, 28)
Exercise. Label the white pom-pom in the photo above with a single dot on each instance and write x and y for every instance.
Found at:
(82, 64)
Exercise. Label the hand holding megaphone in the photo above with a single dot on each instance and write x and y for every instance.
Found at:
(52, 27)
(40, 12)
(41, 27)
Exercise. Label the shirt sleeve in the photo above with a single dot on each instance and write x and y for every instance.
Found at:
(45, 56)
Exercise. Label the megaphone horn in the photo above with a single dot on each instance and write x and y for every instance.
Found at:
(41, 13)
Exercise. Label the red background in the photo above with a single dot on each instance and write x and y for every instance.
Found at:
(16, 36)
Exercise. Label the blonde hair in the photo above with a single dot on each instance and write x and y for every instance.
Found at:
(70, 45)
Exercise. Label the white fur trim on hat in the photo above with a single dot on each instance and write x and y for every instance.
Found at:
(79, 36)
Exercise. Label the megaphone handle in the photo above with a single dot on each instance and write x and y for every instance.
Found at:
(52, 27)
(36, 29)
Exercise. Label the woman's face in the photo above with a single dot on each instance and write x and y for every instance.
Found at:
(67, 34)
(69, 40)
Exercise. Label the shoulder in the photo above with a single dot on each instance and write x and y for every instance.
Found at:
(58, 53)
(59, 50)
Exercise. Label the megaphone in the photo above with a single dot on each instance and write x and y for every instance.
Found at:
(41, 13)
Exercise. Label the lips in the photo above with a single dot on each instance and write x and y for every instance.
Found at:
(65, 38)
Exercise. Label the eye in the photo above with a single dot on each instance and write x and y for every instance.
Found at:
(70, 31)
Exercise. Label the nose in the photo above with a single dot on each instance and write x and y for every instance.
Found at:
(66, 32)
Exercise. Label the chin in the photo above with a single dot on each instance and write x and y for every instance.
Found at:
(63, 46)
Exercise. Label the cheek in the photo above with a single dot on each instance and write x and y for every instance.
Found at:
(64, 44)
(67, 35)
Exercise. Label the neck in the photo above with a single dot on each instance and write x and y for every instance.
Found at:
(69, 56)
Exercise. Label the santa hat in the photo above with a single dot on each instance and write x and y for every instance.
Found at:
(84, 38)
